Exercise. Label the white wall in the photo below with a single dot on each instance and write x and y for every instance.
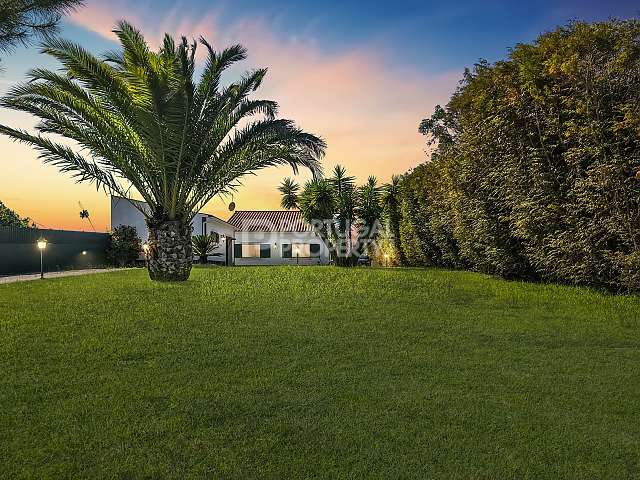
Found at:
(222, 228)
(276, 239)
(124, 213)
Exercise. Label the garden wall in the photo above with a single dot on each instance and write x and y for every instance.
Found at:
(19, 252)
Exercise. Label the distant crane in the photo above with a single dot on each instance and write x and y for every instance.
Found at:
(84, 213)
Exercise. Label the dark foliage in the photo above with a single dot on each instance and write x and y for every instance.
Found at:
(9, 218)
(204, 246)
(124, 246)
(534, 170)
(346, 217)
(23, 20)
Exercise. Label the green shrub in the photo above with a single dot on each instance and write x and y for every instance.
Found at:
(124, 247)
(534, 164)
(204, 245)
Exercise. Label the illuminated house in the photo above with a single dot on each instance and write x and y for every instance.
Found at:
(276, 237)
(123, 212)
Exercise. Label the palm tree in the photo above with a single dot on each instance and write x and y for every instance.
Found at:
(391, 204)
(23, 20)
(316, 203)
(204, 245)
(346, 204)
(289, 190)
(369, 212)
(145, 122)
(333, 206)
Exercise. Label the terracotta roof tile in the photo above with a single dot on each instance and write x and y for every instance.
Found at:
(269, 221)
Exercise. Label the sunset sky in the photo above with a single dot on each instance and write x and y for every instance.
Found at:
(362, 74)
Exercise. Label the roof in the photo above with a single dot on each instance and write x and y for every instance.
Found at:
(269, 221)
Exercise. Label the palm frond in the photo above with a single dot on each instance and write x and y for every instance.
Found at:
(289, 190)
(66, 159)
(21, 21)
(141, 116)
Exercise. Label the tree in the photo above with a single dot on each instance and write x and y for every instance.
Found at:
(344, 216)
(147, 123)
(369, 212)
(9, 218)
(534, 162)
(316, 202)
(23, 20)
(124, 246)
(204, 245)
(391, 213)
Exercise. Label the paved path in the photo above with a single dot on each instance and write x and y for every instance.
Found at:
(69, 273)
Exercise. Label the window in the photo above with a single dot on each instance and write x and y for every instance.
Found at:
(286, 250)
(252, 250)
(304, 250)
(300, 250)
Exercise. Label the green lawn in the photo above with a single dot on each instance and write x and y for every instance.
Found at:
(301, 372)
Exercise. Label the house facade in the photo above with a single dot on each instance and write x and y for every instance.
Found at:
(124, 212)
(276, 237)
(249, 237)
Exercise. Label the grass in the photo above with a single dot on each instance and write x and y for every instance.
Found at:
(317, 372)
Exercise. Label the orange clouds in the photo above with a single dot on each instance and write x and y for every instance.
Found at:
(367, 108)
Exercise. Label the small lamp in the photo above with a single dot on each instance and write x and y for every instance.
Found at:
(42, 244)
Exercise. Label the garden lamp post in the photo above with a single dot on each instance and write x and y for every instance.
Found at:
(42, 244)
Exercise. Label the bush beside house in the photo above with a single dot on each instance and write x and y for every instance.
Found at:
(124, 247)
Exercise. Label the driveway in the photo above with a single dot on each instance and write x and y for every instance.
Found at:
(69, 273)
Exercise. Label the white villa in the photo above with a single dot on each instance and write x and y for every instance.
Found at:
(276, 237)
(124, 213)
(249, 237)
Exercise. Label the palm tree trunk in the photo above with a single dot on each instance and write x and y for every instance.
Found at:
(170, 253)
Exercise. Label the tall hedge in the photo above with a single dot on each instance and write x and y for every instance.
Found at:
(535, 170)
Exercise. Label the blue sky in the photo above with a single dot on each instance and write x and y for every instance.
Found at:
(361, 74)
(432, 34)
